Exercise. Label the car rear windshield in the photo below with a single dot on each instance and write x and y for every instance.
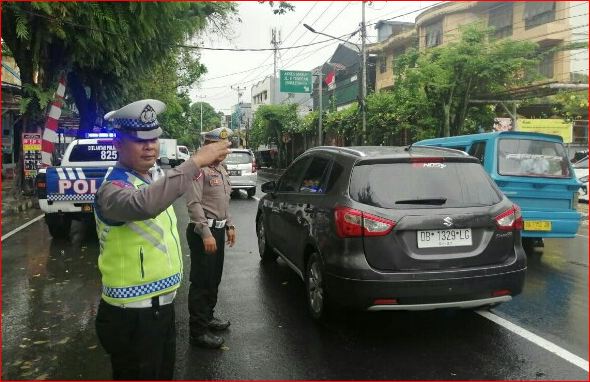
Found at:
(530, 157)
(422, 185)
(101, 152)
(238, 158)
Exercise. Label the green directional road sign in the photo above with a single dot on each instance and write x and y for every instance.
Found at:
(295, 81)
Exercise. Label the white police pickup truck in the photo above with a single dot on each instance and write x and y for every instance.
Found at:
(66, 192)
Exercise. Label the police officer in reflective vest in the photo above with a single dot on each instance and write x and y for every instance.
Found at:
(140, 256)
(210, 223)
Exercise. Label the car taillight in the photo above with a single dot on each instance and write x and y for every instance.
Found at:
(254, 166)
(355, 223)
(509, 220)
(41, 186)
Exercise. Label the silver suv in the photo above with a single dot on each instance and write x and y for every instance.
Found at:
(241, 167)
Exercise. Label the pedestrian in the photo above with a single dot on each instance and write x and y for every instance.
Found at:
(210, 222)
(140, 257)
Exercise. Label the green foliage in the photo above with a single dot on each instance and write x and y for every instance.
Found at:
(571, 105)
(344, 123)
(110, 46)
(269, 124)
(35, 95)
(281, 8)
(439, 82)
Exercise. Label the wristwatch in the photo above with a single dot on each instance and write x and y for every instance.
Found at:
(228, 227)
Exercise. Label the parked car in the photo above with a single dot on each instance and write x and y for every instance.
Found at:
(581, 170)
(383, 228)
(241, 167)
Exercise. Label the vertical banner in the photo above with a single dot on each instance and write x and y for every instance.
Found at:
(50, 130)
(31, 154)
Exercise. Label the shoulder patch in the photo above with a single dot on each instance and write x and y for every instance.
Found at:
(121, 184)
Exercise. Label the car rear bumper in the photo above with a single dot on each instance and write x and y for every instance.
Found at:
(65, 207)
(243, 182)
(563, 223)
(434, 293)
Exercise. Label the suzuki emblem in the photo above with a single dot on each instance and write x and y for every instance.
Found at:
(448, 221)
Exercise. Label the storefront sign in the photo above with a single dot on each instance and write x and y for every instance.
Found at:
(547, 126)
(31, 153)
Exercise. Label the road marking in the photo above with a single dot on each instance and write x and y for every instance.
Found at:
(21, 227)
(256, 198)
(547, 345)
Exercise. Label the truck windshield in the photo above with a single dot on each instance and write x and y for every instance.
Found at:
(101, 152)
(530, 157)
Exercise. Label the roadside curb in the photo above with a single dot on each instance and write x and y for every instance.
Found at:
(14, 207)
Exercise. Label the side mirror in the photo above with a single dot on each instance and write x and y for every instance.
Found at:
(164, 160)
(57, 162)
(269, 187)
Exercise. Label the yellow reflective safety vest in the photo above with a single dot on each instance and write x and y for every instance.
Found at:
(138, 259)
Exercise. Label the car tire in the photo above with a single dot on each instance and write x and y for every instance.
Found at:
(267, 255)
(59, 225)
(318, 302)
(251, 192)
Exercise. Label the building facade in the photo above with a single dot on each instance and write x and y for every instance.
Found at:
(550, 24)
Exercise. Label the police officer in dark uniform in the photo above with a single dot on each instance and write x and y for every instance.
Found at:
(210, 224)
(140, 257)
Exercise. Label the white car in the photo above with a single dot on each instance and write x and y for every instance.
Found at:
(581, 170)
(241, 167)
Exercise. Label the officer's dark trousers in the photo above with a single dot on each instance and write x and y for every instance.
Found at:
(206, 270)
(140, 341)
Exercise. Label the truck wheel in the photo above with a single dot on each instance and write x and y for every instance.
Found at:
(59, 225)
(251, 191)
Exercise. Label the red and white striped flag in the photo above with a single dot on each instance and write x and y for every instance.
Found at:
(50, 130)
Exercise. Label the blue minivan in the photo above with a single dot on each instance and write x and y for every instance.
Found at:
(533, 170)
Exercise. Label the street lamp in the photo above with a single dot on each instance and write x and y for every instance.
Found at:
(361, 51)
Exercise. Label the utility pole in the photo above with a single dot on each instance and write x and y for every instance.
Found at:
(201, 125)
(275, 41)
(364, 83)
(239, 111)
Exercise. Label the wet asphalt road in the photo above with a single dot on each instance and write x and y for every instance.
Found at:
(50, 292)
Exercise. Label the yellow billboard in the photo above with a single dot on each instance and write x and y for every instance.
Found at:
(547, 126)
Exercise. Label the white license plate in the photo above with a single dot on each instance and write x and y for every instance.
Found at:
(235, 172)
(444, 238)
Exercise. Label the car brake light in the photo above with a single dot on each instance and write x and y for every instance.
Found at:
(385, 301)
(355, 223)
(510, 220)
(253, 166)
(426, 160)
(501, 292)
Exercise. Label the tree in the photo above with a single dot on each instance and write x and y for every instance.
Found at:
(446, 78)
(271, 123)
(101, 59)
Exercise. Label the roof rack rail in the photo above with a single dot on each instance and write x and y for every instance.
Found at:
(340, 149)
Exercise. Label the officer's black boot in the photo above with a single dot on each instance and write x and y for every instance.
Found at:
(217, 324)
(207, 340)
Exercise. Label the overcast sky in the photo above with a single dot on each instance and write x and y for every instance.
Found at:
(332, 17)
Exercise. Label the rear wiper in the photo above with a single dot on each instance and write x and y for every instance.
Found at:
(433, 201)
